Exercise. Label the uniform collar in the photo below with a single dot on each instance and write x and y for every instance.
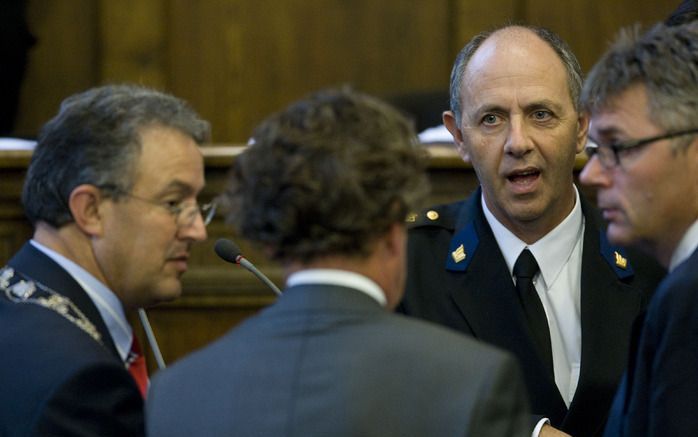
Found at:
(551, 252)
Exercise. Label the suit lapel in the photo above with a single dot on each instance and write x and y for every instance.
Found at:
(36, 265)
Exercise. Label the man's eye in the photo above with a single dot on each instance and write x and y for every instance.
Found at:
(627, 151)
(172, 204)
(489, 119)
(542, 115)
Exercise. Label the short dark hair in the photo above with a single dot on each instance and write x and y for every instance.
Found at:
(326, 176)
(664, 60)
(95, 139)
(559, 46)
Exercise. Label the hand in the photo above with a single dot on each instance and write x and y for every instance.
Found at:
(549, 431)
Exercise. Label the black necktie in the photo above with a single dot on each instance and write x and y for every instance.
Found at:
(525, 269)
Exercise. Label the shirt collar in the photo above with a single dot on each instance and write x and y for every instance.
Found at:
(551, 252)
(342, 278)
(687, 245)
(107, 303)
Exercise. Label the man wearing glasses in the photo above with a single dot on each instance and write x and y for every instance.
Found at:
(643, 100)
(112, 194)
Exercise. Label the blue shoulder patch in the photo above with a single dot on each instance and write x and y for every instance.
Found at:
(616, 257)
(462, 249)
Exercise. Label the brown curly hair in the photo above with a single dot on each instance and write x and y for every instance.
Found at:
(326, 176)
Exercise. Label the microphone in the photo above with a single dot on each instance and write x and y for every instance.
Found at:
(229, 251)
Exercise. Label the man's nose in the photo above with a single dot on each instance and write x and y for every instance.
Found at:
(518, 141)
(594, 174)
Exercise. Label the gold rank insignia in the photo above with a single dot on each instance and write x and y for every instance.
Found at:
(620, 261)
(459, 254)
(411, 218)
(432, 215)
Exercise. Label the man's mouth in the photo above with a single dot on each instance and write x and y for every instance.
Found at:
(610, 214)
(524, 180)
(180, 262)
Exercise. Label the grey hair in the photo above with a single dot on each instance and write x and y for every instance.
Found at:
(95, 139)
(563, 51)
(664, 60)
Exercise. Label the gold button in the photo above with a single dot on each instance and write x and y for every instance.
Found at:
(432, 215)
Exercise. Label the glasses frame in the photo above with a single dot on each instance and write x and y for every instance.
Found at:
(207, 210)
(605, 158)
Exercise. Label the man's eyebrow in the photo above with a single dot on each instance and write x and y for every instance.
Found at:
(477, 112)
(543, 104)
(532, 106)
(608, 131)
(177, 186)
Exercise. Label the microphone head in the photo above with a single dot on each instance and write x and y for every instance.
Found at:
(227, 250)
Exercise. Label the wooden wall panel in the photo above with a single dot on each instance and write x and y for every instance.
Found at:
(472, 17)
(238, 60)
(133, 42)
(588, 30)
(63, 61)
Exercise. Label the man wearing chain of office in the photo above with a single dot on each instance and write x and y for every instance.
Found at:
(112, 194)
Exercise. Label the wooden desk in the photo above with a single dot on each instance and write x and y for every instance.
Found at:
(217, 295)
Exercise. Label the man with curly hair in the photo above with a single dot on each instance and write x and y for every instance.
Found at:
(325, 190)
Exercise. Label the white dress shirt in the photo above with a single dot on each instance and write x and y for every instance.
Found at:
(559, 256)
(687, 245)
(105, 300)
(342, 278)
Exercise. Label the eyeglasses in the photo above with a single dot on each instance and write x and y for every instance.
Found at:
(184, 215)
(609, 155)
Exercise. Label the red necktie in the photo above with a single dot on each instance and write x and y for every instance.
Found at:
(137, 367)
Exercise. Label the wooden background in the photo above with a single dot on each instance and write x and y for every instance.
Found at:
(238, 60)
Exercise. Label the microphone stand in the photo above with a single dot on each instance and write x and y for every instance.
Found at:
(151, 338)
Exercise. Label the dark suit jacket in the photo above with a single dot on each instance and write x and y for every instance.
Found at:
(477, 296)
(329, 361)
(56, 379)
(659, 392)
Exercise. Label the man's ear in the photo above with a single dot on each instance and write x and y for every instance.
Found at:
(582, 130)
(451, 124)
(84, 203)
(396, 239)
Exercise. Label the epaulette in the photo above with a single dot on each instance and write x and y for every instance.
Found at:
(20, 289)
(615, 257)
(435, 216)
